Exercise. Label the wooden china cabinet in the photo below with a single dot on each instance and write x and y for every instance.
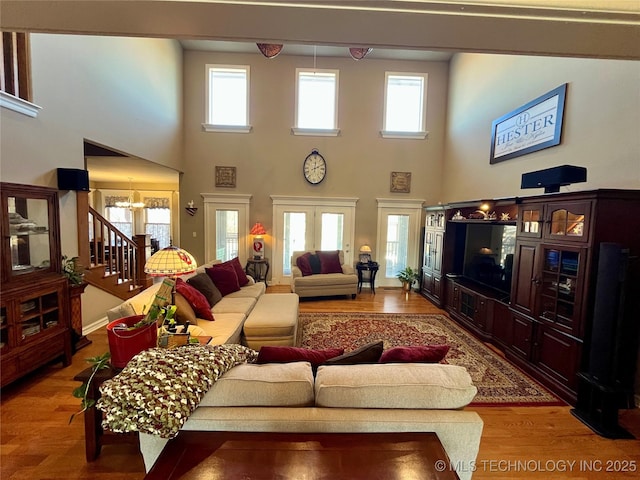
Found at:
(431, 285)
(34, 311)
(552, 293)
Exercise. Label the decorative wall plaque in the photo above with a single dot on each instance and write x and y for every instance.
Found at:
(401, 182)
(226, 177)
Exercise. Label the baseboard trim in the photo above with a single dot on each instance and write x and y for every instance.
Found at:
(92, 327)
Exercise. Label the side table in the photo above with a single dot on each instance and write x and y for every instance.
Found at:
(94, 435)
(258, 269)
(367, 274)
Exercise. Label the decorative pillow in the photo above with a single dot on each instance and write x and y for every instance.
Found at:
(329, 262)
(121, 311)
(271, 354)
(184, 311)
(314, 261)
(224, 277)
(197, 300)
(303, 264)
(242, 276)
(369, 353)
(417, 354)
(203, 283)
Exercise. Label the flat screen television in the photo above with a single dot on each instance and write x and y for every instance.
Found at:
(488, 254)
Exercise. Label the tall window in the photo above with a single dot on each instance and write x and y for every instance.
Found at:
(121, 218)
(226, 234)
(157, 220)
(14, 76)
(227, 98)
(405, 105)
(316, 101)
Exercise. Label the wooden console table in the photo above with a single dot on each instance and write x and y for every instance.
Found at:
(290, 456)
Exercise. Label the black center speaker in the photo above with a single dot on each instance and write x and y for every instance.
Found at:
(553, 178)
(73, 179)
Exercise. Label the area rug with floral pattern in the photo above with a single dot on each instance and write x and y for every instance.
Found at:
(498, 381)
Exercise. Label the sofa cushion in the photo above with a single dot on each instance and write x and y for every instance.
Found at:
(224, 277)
(268, 385)
(253, 290)
(242, 305)
(303, 264)
(418, 353)
(242, 276)
(369, 353)
(184, 310)
(276, 354)
(399, 385)
(329, 262)
(203, 283)
(121, 311)
(197, 300)
(314, 261)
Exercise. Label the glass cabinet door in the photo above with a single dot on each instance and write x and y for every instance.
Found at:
(569, 221)
(561, 287)
(530, 219)
(29, 231)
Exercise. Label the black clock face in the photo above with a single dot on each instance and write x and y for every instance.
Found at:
(314, 168)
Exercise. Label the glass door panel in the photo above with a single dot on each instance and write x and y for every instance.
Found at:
(331, 231)
(558, 290)
(295, 237)
(226, 234)
(569, 221)
(396, 248)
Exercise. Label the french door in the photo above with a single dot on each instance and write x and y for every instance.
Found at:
(226, 226)
(310, 223)
(398, 238)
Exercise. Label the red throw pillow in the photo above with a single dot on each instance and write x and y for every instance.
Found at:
(417, 354)
(270, 354)
(198, 301)
(330, 262)
(242, 276)
(303, 264)
(224, 277)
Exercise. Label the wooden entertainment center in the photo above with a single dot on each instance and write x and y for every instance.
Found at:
(521, 273)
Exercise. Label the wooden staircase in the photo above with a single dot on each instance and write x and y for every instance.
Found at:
(114, 262)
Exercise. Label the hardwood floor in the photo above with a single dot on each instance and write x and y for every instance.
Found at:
(36, 441)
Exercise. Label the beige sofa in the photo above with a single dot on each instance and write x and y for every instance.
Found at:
(323, 284)
(243, 317)
(366, 398)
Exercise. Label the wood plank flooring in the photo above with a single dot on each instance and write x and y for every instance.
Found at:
(36, 441)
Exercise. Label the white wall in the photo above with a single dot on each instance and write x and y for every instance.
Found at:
(600, 132)
(269, 159)
(125, 93)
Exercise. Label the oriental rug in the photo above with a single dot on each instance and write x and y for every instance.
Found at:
(498, 381)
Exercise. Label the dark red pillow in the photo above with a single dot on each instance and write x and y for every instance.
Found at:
(303, 264)
(197, 300)
(417, 354)
(224, 277)
(242, 276)
(271, 354)
(329, 262)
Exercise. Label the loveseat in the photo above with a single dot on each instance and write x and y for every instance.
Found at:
(322, 273)
(234, 314)
(364, 398)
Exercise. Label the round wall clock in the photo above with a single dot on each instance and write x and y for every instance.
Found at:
(314, 168)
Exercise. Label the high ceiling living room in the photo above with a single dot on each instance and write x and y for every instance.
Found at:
(123, 91)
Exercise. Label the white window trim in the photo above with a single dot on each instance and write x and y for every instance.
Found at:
(11, 102)
(209, 127)
(318, 132)
(418, 135)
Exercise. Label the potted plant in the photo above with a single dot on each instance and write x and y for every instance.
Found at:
(73, 270)
(407, 276)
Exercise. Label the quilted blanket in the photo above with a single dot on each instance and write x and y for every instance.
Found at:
(159, 388)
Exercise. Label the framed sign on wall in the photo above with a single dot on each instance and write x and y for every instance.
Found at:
(530, 128)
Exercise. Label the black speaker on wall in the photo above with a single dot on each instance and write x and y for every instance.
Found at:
(608, 382)
(551, 179)
(73, 179)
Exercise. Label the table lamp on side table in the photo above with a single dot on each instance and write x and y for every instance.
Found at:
(258, 231)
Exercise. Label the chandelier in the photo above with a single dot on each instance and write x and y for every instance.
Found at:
(130, 204)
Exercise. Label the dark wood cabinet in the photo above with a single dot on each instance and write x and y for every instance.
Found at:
(545, 323)
(34, 308)
(433, 248)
